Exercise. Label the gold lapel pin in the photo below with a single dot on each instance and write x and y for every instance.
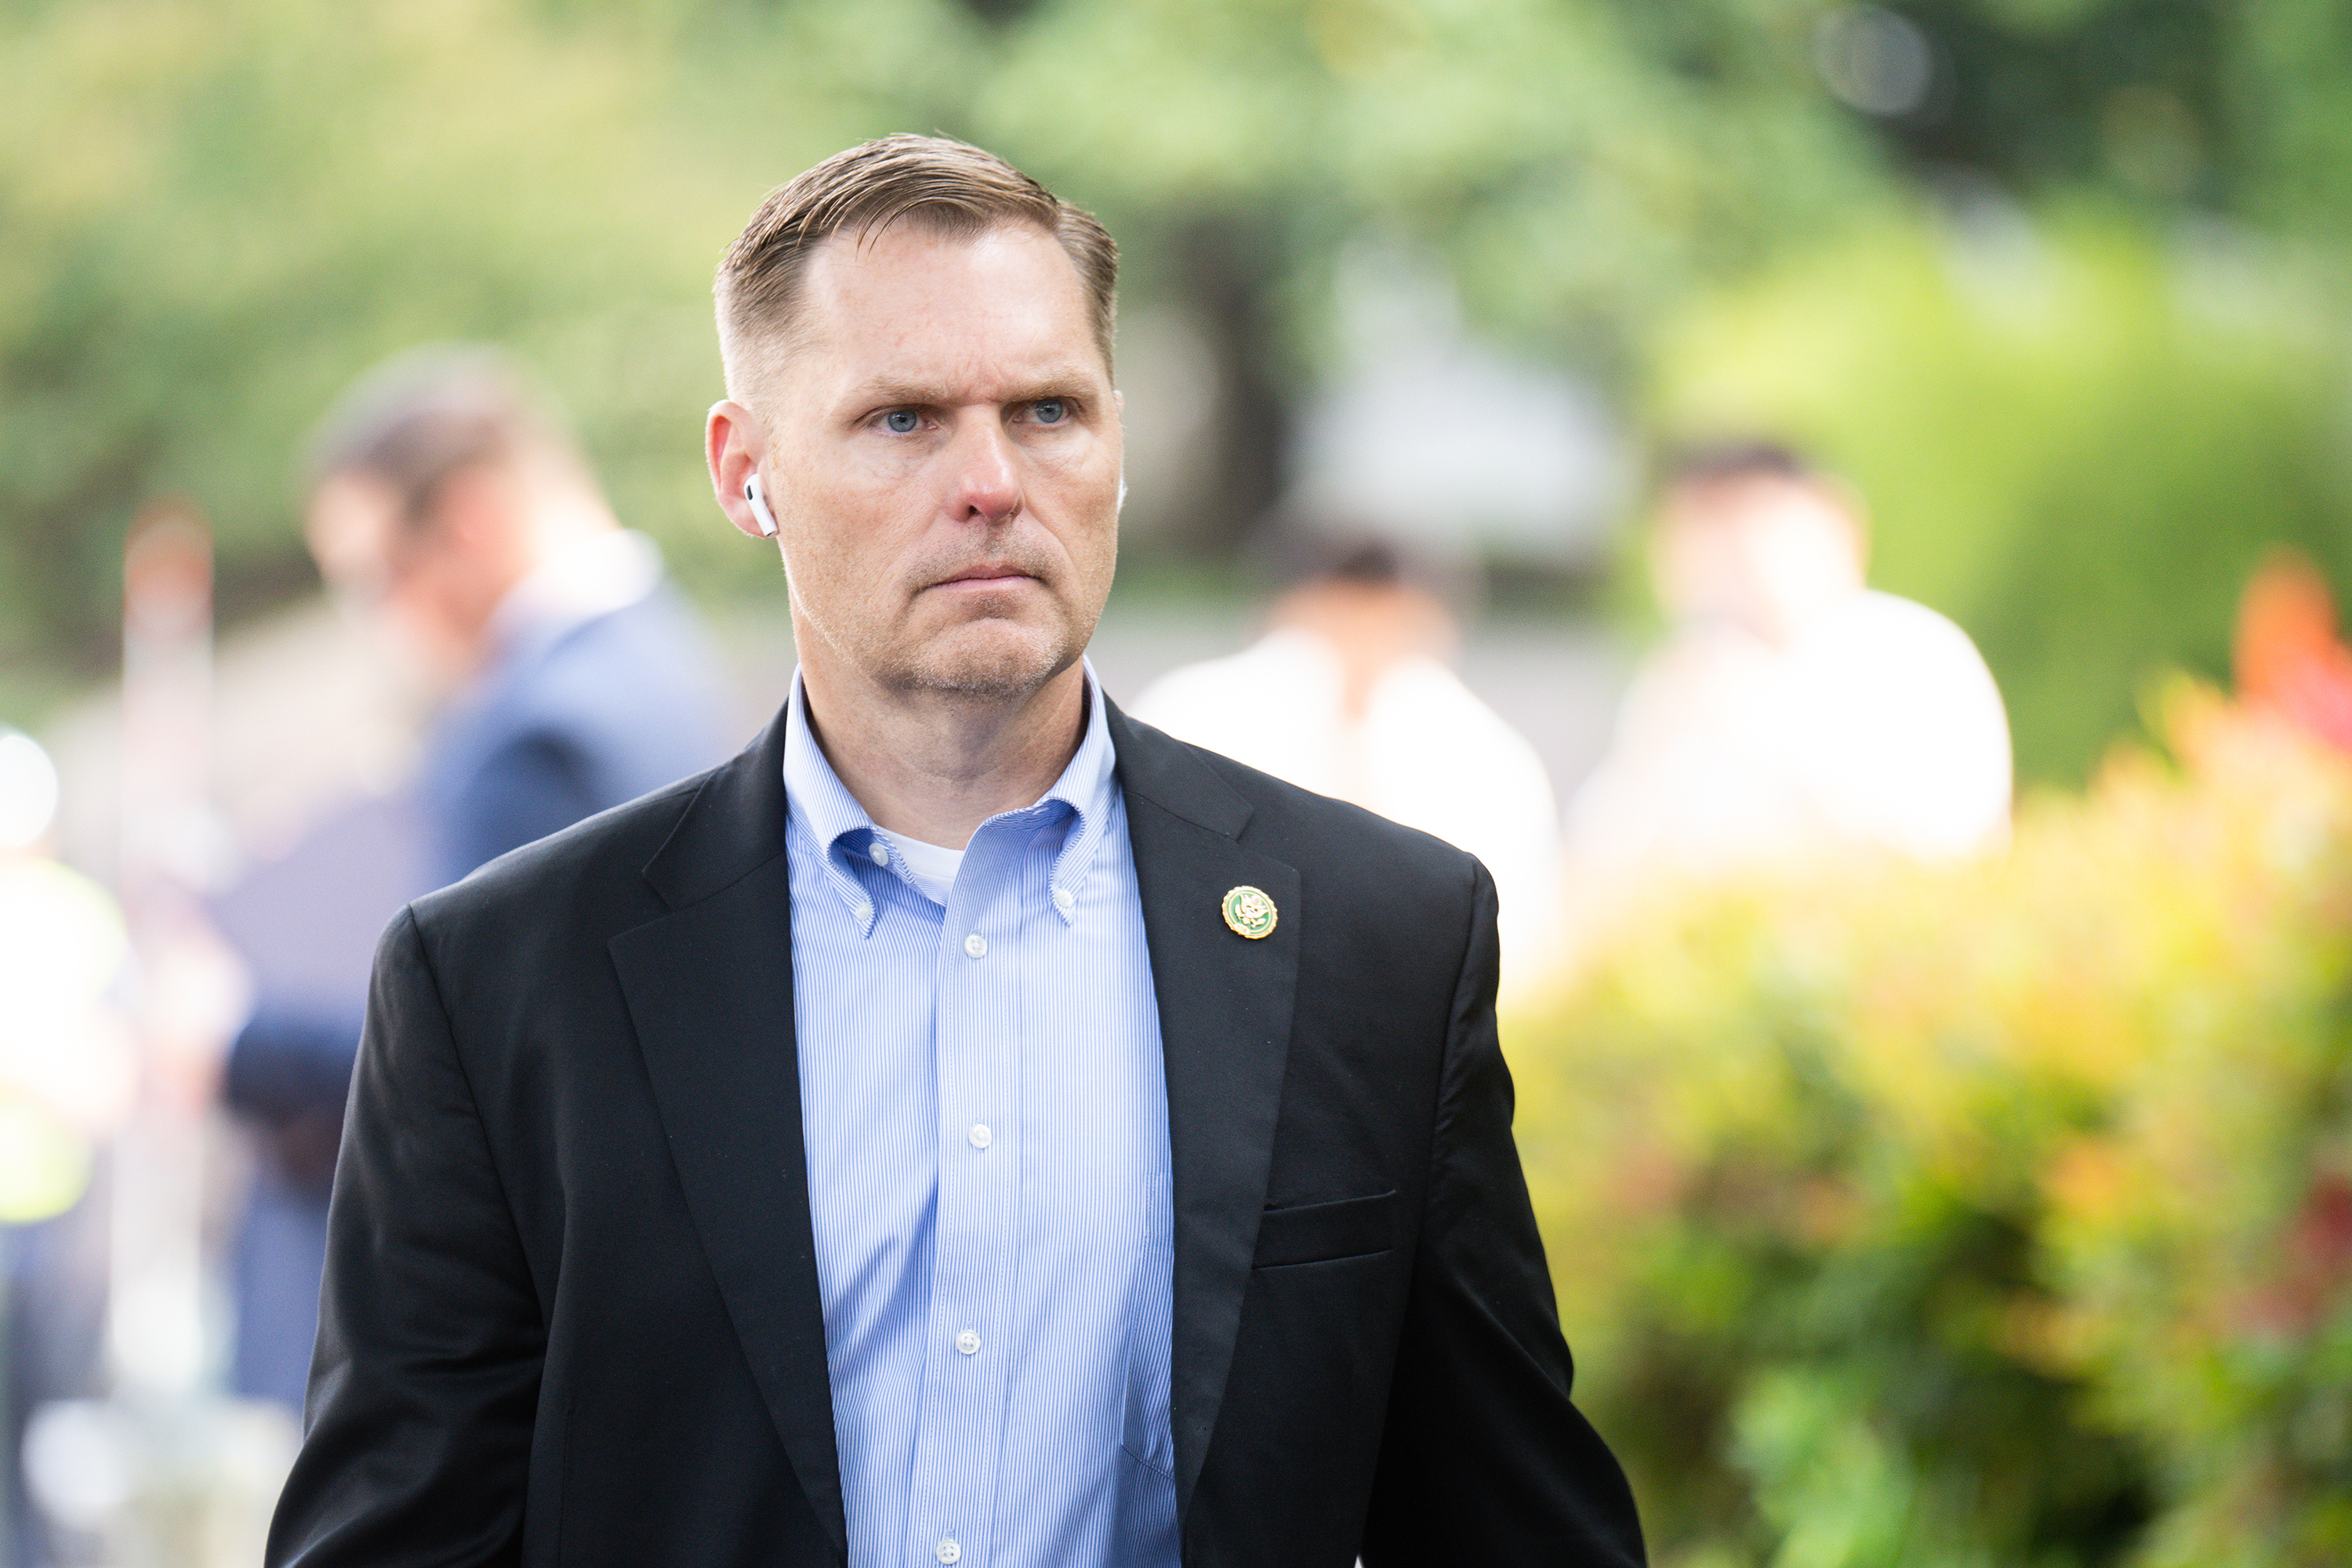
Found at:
(1249, 912)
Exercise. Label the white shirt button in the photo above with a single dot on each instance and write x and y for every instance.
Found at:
(968, 1342)
(947, 1550)
(1064, 900)
(881, 853)
(980, 1136)
(976, 945)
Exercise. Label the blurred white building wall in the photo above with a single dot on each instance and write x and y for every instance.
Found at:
(1452, 450)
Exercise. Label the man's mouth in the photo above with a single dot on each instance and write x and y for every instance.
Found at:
(982, 576)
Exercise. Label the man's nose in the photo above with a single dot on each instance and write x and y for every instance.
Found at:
(987, 470)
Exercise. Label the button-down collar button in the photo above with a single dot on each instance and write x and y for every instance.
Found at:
(881, 853)
(968, 1342)
(976, 945)
(947, 1550)
(1064, 900)
(980, 1136)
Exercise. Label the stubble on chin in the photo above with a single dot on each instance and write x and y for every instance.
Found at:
(893, 641)
(986, 662)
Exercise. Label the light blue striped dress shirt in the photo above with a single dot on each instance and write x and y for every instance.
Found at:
(987, 1126)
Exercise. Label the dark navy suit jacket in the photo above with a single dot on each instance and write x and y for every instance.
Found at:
(565, 727)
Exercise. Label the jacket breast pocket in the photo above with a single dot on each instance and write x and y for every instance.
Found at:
(1321, 1233)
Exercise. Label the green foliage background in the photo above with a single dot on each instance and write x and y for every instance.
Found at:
(1993, 1214)
(217, 213)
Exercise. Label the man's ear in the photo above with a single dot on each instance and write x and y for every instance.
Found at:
(733, 446)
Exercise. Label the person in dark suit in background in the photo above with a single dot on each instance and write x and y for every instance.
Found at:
(970, 1127)
(444, 494)
(447, 499)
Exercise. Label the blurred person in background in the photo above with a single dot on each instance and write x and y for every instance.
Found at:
(446, 497)
(303, 926)
(1348, 694)
(67, 1074)
(1794, 711)
(448, 501)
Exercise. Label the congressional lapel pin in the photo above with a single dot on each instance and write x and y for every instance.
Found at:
(1250, 912)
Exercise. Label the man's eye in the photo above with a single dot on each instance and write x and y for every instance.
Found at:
(901, 421)
(1049, 411)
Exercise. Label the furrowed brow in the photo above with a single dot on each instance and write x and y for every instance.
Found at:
(1071, 381)
(889, 394)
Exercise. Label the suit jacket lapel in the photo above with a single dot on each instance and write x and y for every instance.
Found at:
(1224, 1029)
(709, 988)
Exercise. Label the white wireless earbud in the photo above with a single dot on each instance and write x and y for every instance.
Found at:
(759, 504)
(1122, 492)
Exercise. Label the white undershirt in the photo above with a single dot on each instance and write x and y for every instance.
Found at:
(932, 867)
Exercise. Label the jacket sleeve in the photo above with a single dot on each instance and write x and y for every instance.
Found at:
(424, 1381)
(1484, 1459)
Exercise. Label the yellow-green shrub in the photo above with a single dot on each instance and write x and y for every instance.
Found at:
(1996, 1213)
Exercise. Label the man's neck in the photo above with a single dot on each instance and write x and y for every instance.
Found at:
(934, 766)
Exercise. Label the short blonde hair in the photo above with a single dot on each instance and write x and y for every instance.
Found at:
(950, 187)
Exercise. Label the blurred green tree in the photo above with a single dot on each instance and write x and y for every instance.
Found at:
(218, 214)
(1582, 167)
(2098, 366)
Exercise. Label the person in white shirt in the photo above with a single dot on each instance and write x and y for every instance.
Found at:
(1348, 694)
(1794, 711)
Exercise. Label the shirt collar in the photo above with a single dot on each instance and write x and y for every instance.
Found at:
(820, 805)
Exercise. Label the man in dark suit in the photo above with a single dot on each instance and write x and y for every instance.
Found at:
(446, 500)
(970, 1127)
